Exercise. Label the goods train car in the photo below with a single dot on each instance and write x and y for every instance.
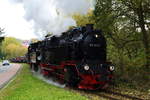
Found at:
(78, 57)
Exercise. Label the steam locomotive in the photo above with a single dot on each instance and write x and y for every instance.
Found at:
(78, 57)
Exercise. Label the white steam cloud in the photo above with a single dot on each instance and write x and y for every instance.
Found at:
(53, 15)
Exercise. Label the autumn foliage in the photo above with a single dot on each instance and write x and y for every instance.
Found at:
(12, 47)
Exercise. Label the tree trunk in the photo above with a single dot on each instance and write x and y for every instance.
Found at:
(145, 36)
(121, 61)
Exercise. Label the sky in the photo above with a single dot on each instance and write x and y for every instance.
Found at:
(27, 19)
(13, 22)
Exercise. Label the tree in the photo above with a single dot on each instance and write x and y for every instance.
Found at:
(82, 20)
(126, 24)
(1, 39)
(1, 33)
(34, 40)
(141, 10)
(12, 47)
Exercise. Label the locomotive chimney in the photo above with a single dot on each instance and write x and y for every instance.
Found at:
(89, 27)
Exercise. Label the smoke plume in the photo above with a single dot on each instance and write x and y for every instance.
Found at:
(53, 16)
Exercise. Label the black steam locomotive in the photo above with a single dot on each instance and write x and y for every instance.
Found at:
(78, 57)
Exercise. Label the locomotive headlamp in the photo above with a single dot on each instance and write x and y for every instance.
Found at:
(86, 67)
(96, 35)
(112, 68)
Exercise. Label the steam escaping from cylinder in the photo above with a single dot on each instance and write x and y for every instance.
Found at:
(53, 16)
(48, 80)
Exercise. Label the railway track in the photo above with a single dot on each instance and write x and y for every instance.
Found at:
(112, 94)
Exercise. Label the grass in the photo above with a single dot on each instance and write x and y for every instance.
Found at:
(27, 87)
